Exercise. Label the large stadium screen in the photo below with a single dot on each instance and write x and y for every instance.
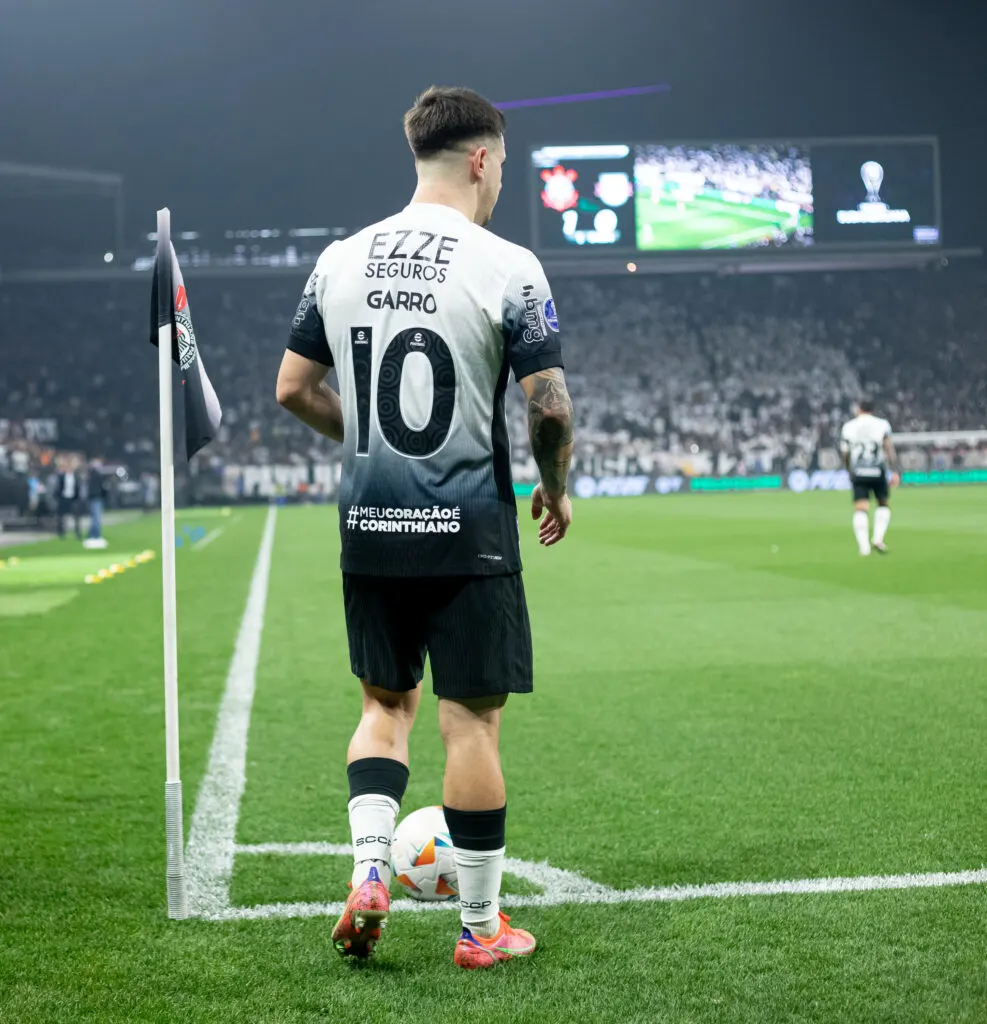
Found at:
(681, 197)
(716, 196)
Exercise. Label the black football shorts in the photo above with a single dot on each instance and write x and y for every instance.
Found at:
(865, 486)
(474, 629)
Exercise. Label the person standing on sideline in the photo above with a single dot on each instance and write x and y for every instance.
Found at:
(96, 492)
(67, 496)
(425, 315)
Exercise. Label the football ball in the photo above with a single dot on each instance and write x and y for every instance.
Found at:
(422, 858)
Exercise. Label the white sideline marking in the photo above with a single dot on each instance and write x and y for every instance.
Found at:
(208, 539)
(212, 836)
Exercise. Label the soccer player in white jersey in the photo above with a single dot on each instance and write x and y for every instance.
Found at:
(424, 316)
(868, 453)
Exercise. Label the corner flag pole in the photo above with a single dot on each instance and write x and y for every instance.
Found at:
(177, 895)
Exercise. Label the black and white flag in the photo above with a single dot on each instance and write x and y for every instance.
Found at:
(169, 307)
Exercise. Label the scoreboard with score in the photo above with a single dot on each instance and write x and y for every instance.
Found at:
(786, 195)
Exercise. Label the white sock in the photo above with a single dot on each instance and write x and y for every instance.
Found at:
(860, 531)
(882, 517)
(372, 818)
(479, 874)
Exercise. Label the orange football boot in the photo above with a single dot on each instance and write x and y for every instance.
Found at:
(472, 951)
(358, 929)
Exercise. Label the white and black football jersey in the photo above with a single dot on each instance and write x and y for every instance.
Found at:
(424, 315)
(863, 439)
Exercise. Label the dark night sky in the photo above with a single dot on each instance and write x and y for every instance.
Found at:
(253, 112)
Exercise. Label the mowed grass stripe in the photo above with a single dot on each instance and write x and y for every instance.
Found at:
(751, 767)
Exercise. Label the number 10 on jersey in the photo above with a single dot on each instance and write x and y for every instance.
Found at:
(411, 442)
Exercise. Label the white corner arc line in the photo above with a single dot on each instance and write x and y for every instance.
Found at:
(665, 894)
(212, 836)
(209, 538)
(801, 886)
(568, 887)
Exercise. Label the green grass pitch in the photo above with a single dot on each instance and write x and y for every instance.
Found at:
(725, 692)
(705, 223)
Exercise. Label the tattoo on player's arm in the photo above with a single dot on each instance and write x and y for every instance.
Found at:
(550, 427)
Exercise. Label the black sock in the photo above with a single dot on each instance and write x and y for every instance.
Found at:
(378, 775)
(477, 830)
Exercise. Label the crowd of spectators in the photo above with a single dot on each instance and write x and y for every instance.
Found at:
(753, 372)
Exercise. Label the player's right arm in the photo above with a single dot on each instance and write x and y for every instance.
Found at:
(302, 388)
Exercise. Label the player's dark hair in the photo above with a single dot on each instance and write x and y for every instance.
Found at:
(865, 405)
(445, 116)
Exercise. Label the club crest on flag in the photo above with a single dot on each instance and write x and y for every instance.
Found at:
(184, 336)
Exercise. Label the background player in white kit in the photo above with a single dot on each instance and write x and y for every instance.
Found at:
(868, 453)
(424, 316)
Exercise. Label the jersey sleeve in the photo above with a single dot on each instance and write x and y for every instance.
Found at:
(307, 336)
(530, 321)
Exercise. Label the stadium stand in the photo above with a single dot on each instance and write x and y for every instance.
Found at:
(754, 372)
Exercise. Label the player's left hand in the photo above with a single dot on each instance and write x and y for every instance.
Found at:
(895, 479)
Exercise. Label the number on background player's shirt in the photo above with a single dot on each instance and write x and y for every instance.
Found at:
(424, 316)
(863, 439)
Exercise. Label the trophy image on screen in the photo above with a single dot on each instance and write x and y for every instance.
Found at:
(873, 209)
(872, 175)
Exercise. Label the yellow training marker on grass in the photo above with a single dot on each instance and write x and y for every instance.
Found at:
(93, 578)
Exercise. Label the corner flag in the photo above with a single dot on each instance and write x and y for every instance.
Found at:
(169, 309)
(171, 331)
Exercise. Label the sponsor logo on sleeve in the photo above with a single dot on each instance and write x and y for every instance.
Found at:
(299, 318)
(532, 316)
(551, 317)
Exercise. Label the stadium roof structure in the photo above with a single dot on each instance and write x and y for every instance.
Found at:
(37, 183)
(20, 180)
